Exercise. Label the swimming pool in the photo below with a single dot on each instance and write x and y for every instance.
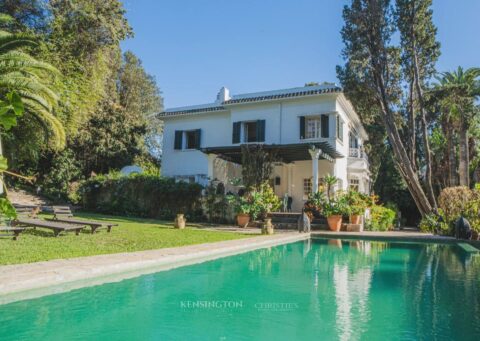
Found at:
(314, 289)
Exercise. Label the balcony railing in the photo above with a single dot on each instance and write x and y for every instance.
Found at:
(358, 153)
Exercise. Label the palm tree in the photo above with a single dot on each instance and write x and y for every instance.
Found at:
(460, 89)
(22, 74)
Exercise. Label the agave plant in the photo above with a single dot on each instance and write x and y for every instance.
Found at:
(23, 75)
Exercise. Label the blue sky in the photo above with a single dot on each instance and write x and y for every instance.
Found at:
(194, 47)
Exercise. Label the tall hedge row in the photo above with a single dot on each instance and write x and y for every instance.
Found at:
(142, 195)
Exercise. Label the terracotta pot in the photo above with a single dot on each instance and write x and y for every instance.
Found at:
(355, 219)
(180, 221)
(335, 222)
(243, 219)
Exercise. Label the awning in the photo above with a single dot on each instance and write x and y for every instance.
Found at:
(286, 153)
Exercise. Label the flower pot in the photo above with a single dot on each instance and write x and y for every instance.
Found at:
(335, 222)
(243, 219)
(180, 221)
(355, 219)
(267, 227)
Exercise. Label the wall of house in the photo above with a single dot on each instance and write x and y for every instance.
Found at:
(216, 131)
(282, 126)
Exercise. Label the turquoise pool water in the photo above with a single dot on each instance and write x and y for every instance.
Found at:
(318, 289)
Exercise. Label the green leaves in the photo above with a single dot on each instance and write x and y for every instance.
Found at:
(7, 211)
(3, 164)
(10, 108)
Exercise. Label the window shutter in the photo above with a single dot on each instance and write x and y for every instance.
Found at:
(261, 131)
(236, 132)
(302, 127)
(198, 140)
(325, 124)
(178, 140)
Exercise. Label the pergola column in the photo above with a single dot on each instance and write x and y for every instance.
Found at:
(315, 154)
(211, 164)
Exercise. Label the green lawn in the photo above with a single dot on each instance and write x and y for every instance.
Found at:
(132, 234)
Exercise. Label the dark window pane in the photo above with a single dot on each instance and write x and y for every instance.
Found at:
(250, 131)
(190, 139)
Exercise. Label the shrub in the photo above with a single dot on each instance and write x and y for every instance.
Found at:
(256, 203)
(434, 223)
(455, 202)
(381, 218)
(142, 195)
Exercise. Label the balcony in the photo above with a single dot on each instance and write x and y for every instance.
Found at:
(358, 153)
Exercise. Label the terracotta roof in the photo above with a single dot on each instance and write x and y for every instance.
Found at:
(254, 97)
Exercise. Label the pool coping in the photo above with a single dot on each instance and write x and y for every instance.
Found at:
(27, 281)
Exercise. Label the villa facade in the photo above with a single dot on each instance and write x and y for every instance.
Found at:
(314, 130)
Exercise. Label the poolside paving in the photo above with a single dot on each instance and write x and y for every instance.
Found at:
(24, 281)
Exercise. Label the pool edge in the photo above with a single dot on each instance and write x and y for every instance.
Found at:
(58, 276)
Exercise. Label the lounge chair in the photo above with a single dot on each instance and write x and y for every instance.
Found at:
(11, 231)
(56, 227)
(64, 214)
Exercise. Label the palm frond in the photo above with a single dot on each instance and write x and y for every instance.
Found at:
(55, 128)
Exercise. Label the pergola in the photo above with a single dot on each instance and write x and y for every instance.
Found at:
(286, 153)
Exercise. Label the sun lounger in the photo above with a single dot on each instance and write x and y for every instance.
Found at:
(7, 231)
(56, 227)
(65, 215)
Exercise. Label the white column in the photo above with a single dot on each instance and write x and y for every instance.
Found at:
(289, 179)
(211, 165)
(315, 154)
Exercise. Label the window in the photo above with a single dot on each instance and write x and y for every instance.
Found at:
(313, 127)
(190, 139)
(353, 140)
(250, 131)
(187, 139)
(354, 184)
(307, 187)
(339, 128)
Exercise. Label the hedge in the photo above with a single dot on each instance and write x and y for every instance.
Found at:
(142, 195)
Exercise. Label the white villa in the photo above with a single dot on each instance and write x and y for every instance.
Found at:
(314, 129)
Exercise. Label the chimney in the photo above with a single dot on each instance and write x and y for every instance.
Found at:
(223, 95)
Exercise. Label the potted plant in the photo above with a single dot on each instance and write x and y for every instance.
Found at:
(357, 205)
(242, 207)
(334, 209)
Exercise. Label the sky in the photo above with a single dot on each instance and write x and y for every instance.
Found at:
(194, 47)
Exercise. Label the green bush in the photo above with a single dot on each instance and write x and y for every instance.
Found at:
(142, 195)
(381, 218)
(434, 223)
(455, 202)
(256, 203)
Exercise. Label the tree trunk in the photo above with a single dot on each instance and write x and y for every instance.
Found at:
(426, 143)
(464, 154)
(399, 152)
(452, 158)
(411, 127)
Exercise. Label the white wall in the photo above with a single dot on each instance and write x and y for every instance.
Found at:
(282, 127)
(216, 131)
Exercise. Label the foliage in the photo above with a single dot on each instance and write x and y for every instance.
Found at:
(131, 234)
(23, 76)
(257, 165)
(7, 211)
(58, 180)
(456, 202)
(381, 219)
(372, 79)
(256, 203)
(216, 203)
(142, 195)
(357, 202)
(330, 181)
(314, 205)
(434, 223)
(336, 206)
